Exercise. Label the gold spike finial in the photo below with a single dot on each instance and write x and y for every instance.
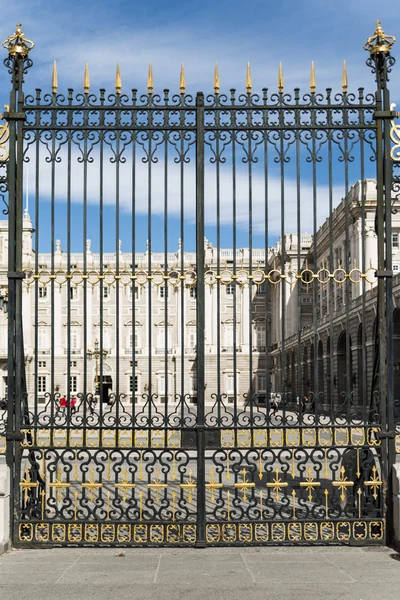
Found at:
(344, 77)
(312, 78)
(249, 83)
(118, 83)
(54, 79)
(280, 79)
(217, 84)
(182, 80)
(150, 81)
(86, 80)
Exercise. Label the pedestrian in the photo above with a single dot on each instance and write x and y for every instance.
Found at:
(304, 403)
(73, 405)
(63, 403)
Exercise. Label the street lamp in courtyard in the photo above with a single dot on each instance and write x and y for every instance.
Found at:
(96, 353)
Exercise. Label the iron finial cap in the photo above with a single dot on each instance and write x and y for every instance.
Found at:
(379, 43)
(18, 44)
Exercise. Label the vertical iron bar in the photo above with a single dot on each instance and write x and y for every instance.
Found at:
(200, 322)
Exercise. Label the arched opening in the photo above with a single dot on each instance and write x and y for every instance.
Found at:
(396, 353)
(306, 380)
(312, 370)
(320, 368)
(328, 369)
(344, 367)
(360, 368)
(293, 373)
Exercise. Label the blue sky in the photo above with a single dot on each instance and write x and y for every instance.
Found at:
(198, 33)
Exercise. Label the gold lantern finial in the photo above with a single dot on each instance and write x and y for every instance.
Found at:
(280, 79)
(18, 44)
(118, 82)
(86, 79)
(344, 77)
(182, 80)
(150, 80)
(379, 42)
(54, 79)
(313, 83)
(217, 84)
(249, 83)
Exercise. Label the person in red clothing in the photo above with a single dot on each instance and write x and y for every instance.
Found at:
(73, 405)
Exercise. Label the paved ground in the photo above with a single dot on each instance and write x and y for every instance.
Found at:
(324, 573)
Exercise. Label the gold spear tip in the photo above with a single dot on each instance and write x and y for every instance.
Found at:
(249, 83)
(54, 79)
(312, 78)
(344, 77)
(217, 84)
(118, 83)
(280, 79)
(150, 80)
(86, 80)
(182, 80)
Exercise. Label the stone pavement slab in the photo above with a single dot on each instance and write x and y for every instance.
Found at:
(262, 573)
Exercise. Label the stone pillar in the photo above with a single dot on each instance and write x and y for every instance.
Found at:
(396, 503)
(4, 505)
(245, 318)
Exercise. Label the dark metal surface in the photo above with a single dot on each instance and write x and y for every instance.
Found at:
(229, 467)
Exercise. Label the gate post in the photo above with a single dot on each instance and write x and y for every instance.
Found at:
(200, 322)
(381, 61)
(17, 62)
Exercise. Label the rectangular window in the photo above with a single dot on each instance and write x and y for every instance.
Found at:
(43, 338)
(228, 336)
(193, 292)
(229, 382)
(73, 384)
(260, 336)
(42, 364)
(262, 384)
(72, 363)
(395, 267)
(41, 384)
(105, 292)
(73, 293)
(230, 289)
(136, 384)
(395, 239)
(161, 338)
(162, 387)
(75, 339)
(42, 292)
(193, 385)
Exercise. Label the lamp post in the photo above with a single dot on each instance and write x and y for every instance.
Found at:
(96, 353)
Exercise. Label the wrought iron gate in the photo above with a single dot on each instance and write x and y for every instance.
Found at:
(181, 391)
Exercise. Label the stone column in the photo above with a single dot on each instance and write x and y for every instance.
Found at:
(4, 505)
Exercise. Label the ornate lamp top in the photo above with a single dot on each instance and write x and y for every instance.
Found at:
(379, 42)
(18, 44)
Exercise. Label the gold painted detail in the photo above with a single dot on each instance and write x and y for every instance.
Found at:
(86, 79)
(213, 485)
(342, 483)
(217, 84)
(344, 78)
(150, 80)
(244, 485)
(157, 484)
(277, 484)
(54, 79)
(281, 83)
(123, 533)
(313, 83)
(189, 486)
(4, 135)
(374, 483)
(380, 42)
(310, 484)
(18, 44)
(182, 80)
(249, 82)
(125, 485)
(27, 484)
(92, 485)
(59, 485)
(118, 82)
